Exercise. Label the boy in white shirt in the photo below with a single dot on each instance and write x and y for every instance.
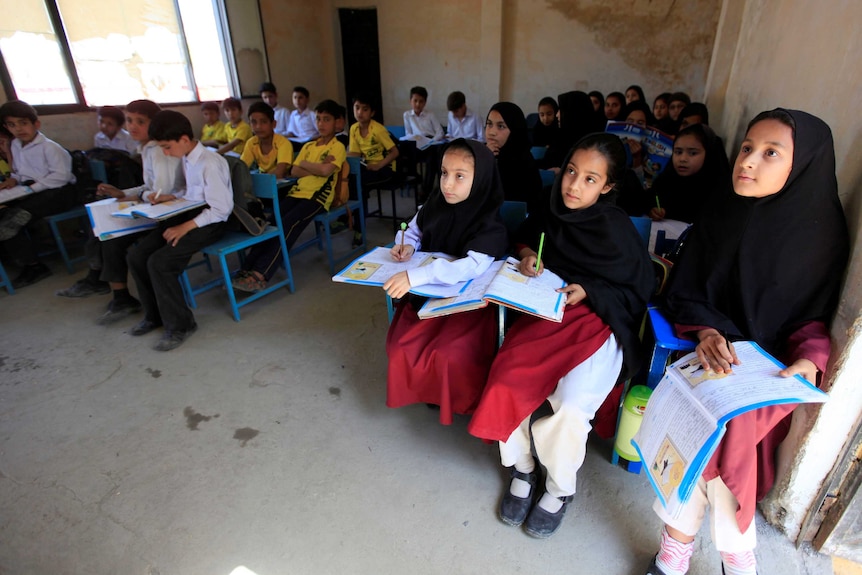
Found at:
(302, 126)
(269, 95)
(157, 261)
(417, 120)
(111, 134)
(44, 168)
(463, 123)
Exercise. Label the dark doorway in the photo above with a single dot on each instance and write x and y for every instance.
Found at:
(361, 56)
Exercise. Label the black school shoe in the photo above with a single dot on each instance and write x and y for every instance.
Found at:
(30, 275)
(118, 309)
(144, 327)
(541, 524)
(174, 339)
(514, 509)
(85, 288)
(654, 569)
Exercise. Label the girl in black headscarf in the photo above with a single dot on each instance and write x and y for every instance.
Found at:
(577, 119)
(575, 364)
(444, 361)
(635, 93)
(698, 171)
(766, 265)
(598, 100)
(545, 131)
(615, 105)
(506, 136)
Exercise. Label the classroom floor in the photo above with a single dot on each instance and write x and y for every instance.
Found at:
(266, 444)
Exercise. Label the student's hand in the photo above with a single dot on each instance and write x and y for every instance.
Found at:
(657, 214)
(715, 352)
(575, 293)
(398, 285)
(174, 234)
(635, 147)
(527, 266)
(493, 147)
(108, 190)
(402, 255)
(8, 183)
(372, 167)
(803, 367)
(162, 198)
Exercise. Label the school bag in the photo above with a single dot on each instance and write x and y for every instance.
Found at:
(248, 213)
(123, 171)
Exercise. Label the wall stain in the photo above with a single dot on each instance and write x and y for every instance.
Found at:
(194, 418)
(156, 373)
(664, 38)
(335, 391)
(245, 435)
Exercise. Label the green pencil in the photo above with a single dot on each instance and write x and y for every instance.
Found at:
(539, 255)
(657, 203)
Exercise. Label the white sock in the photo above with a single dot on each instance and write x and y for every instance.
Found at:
(550, 503)
(519, 488)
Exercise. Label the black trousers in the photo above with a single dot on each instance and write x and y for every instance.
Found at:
(156, 267)
(40, 205)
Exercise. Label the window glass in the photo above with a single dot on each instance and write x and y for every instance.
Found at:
(33, 57)
(205, 49)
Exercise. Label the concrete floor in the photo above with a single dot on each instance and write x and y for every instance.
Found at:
(266, 444)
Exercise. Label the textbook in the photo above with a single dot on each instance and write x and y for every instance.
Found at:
(504, 285)
(160, 211)
(422, 142)
(688, 412)
(377, 266)
(14, 193)
(107, 227)
(658, 146)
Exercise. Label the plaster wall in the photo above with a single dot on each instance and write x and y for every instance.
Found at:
(804, 55)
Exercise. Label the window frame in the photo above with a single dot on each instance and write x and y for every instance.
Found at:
(53, 10)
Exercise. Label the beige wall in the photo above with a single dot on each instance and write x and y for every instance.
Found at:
(553, 46)
(803, 54)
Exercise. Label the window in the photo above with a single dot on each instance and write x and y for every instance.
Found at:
(93, 53)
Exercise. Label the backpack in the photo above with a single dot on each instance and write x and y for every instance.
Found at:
(248, 213)
(85, 186)
(122, 170)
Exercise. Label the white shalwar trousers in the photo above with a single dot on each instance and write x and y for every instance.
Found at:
(561, 438)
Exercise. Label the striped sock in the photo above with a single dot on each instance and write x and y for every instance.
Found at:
(673, 556)
(742, 563)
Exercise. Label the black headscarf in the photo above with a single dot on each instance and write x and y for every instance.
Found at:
(518, 171)
(600, 113)
(695, 109)
(758, 268)
(577, 119)
(643, 107)
(599, 248)
(474, 224)
(683, 198)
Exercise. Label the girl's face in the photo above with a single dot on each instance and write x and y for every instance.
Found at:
(637, 117)
(688, 155)
(496, 130)
(596, 102)
(631, 96)
(659, 109)
(612, 107)
(456, 176)
(674, 109)
(585, 178)
(547, 115)
(764, 160)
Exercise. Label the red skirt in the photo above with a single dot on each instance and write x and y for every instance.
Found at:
(443, 361)
(535, 355)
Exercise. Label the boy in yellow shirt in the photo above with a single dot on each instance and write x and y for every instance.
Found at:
(317, 166)
(237, 132)
(273, 153)
(212, 134)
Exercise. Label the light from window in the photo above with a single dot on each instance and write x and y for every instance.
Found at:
(32, 54)
(205, 49)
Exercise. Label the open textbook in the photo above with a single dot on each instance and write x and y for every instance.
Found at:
(107, 227)
(687, 415)
(377, 266)
(503, 284)
(160, 211)
(657, 145)
(14, 193)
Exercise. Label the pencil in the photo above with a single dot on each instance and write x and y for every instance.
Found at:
(657, 203)
(539, 254)
(403, 234)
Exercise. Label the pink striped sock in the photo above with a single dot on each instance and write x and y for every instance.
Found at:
(673, 556)
(742, 563)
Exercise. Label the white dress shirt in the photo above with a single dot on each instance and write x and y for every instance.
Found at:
(208, 179)
(161, 172)
(469, 127)
(303, 125)
(122, 141)
(425, 124)
(43, 161)
(282, 120)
